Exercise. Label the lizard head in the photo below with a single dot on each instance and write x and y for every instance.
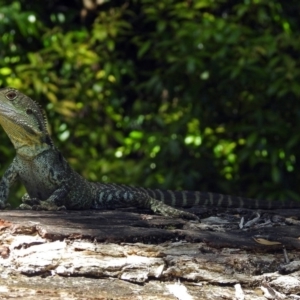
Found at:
(23, 120)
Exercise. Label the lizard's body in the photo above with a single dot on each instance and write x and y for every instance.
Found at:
(51, 183)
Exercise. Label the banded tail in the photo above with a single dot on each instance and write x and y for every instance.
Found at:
(191, 198)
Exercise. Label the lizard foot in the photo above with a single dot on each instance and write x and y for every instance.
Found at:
(166, 210)
(48, 205)
(35, 204)
(24, 206)
(4, 205)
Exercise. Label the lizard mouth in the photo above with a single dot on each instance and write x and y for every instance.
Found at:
(9, 113)
(6, 111)
(14, 118)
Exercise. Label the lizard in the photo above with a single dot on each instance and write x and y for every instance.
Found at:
(52, 184)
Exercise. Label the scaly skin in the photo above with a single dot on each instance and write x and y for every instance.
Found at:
(52, 184)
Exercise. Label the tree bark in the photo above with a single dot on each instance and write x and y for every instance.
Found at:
(234, 254)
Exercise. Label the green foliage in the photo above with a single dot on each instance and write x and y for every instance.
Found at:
(200, 95)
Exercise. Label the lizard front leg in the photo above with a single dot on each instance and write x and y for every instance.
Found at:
(6, 182)
(54, 202)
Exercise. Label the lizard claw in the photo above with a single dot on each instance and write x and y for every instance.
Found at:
(47, 205)
(35, 204)
(24, 206)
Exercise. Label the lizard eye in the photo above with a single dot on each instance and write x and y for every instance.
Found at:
(11, 95)
(28, 111)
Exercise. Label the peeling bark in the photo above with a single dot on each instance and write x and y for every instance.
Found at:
(124, 255)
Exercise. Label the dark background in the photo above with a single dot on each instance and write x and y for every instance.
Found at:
(200, 95)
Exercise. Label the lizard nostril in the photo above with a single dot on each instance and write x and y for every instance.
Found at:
(11, 95)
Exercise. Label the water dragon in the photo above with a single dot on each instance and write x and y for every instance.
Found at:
(52, 184)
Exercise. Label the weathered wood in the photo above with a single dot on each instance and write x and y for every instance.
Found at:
(105, 254)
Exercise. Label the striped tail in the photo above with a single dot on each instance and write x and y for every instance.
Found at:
(192, 198)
